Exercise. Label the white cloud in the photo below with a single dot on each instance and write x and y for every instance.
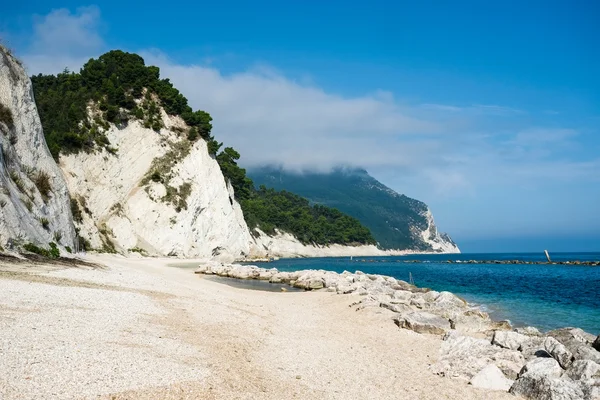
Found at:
(64, 39)
(273, 119)
(537, 136)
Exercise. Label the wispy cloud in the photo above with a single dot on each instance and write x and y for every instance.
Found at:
(63, 39)
(271, 118)
(544, 136)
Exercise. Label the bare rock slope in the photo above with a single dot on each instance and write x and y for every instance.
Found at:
(34, 199)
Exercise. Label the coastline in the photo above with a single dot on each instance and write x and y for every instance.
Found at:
(137, 328)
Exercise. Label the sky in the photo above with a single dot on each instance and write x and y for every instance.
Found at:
(487, 111)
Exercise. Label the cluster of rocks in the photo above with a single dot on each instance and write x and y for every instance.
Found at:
(561, 364)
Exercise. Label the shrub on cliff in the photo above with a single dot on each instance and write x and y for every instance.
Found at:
(6, 115)
(42, 182)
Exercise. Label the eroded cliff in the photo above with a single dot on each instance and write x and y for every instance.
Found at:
(34, 199)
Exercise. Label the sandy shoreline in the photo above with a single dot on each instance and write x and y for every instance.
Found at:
(139, 329)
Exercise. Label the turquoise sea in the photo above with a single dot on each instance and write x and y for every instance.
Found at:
(545, 296)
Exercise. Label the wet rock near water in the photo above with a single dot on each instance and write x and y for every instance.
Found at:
(528, 330)
(509, 340)
(558, 351)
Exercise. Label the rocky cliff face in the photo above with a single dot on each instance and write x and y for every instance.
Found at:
(34, 200)
(156, 193)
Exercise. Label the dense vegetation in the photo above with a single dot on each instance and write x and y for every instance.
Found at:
(391, 217)
(268, 209)
(117, 86)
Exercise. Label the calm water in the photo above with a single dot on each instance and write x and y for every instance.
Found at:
(545, 296)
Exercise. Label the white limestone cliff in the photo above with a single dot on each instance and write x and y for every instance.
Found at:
(439, 242)
(191, 215)
(34, 200)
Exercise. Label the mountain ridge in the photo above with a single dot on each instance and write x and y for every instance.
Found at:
(397, 221)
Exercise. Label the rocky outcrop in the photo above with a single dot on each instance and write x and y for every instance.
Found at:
(558, 351)
(492, 378)
(542, 367)
(551, 371)
(509, 340)
(157, 193)
(583, 370)
(560, 377)
(578, 342)
(34, 200)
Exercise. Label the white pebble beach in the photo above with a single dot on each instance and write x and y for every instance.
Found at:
(141, 329)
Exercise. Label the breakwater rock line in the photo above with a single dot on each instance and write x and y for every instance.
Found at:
(560, 364)
(574, 263)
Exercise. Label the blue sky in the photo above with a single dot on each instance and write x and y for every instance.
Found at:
(487, 111)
